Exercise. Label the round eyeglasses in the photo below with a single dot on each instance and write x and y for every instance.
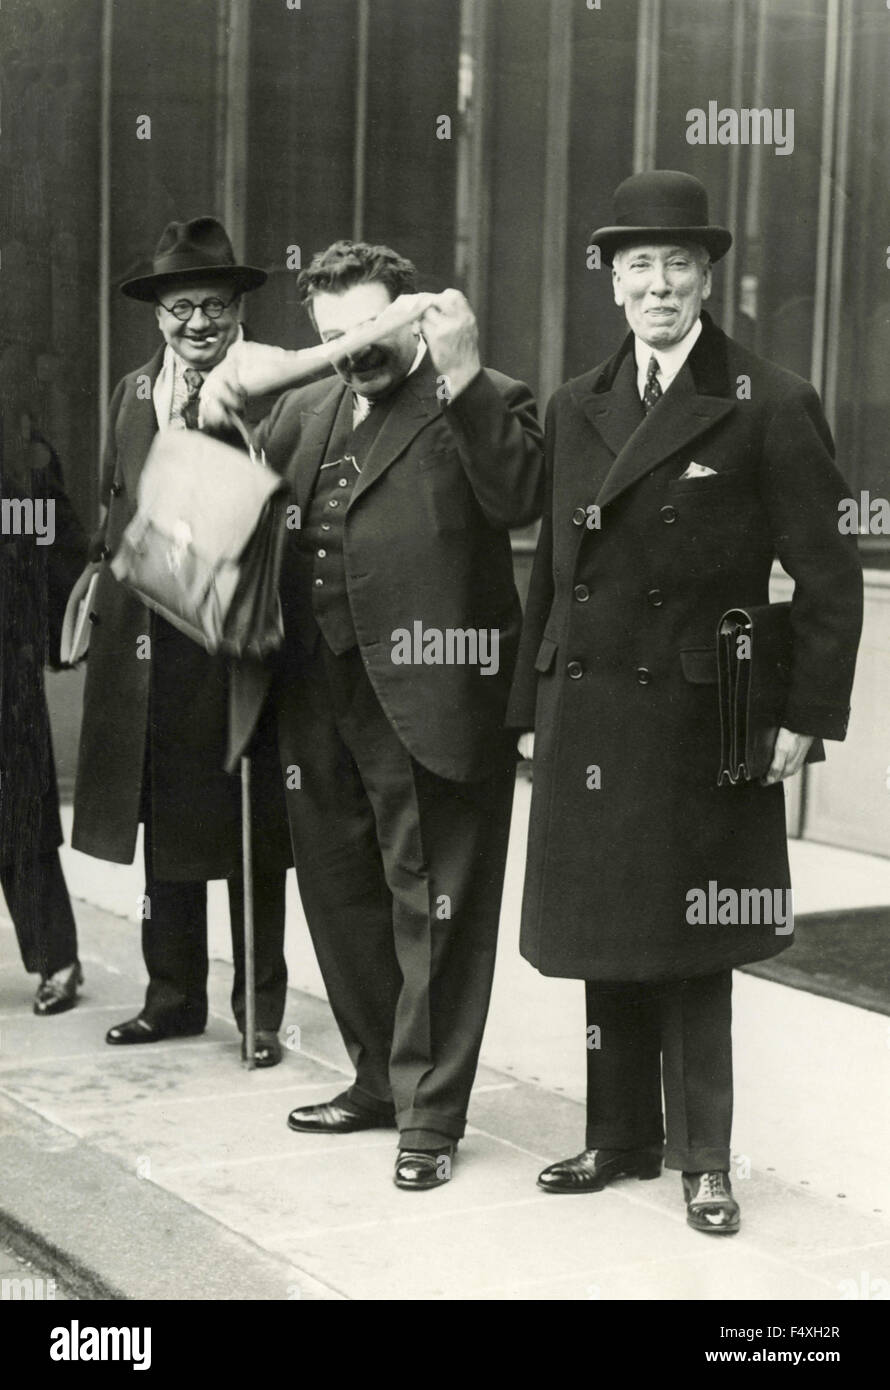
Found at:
(183, 309)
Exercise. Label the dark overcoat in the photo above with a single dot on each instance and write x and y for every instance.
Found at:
(426, 540)
(167, 714)
(35, 581)
(617, 668)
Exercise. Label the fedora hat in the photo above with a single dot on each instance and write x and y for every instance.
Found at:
(661, 204)
(187, 250)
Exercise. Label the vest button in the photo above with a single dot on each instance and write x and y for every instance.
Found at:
(655, 597)
(582, 593)
(325, 526)
(575, 670)
(644, 675)
(341, 482)
(668, 515)
(333, 502)
(319, 583)
(322, 554)
(116, 489)
(579, 516)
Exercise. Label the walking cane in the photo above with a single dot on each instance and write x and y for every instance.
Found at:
(249, 958)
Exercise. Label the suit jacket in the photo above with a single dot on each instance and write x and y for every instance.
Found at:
(426, 540)
(167, 714)
(617, 668)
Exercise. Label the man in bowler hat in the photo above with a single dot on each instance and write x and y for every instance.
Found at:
(156, 705)
(679, 470)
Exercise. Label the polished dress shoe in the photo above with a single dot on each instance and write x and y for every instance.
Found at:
(139, 1030)
(335, 1116)
(418, 1170)
(267, 1049)
(57, 993)
(710, 1205)
(594, 1169)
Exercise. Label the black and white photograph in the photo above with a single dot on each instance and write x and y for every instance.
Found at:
(445, 668)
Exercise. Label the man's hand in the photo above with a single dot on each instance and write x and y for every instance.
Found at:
(526, 746)
(449, 326)
(788, 756)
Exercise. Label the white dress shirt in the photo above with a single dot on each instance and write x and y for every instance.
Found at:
(669, 360)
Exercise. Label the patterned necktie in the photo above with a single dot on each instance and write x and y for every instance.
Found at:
(653, 392)
(194, 381)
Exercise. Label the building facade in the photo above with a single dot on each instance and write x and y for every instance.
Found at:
(483, 138)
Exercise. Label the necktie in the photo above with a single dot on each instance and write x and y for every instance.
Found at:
(653, 392)
(194, 381)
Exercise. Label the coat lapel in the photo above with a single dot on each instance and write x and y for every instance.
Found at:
(698, 397)
(414, 407)
(316, 427)
(137, 426)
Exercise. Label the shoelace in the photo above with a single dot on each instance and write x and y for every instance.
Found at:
(711, 1187)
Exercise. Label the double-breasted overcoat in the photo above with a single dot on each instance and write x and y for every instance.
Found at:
(617, 666)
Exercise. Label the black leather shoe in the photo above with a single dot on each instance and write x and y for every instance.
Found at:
(57, 993)
(710, 1205)
(594, 1169)
(418, 1170)
(267, 1051)
(335, 1117)
(139, 1030)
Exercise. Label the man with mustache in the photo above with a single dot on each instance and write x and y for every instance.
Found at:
(409, 471)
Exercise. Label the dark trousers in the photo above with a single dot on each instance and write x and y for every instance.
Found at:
(400, 874)
(673, 1034)
(174, 947)
(41, 914)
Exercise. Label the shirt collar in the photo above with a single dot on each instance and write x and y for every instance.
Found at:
(670, 359)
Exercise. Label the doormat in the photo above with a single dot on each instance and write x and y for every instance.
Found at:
(842, 955)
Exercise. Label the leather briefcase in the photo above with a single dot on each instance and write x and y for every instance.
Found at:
(205, 546)
(754, 656)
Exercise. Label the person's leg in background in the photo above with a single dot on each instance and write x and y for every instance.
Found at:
(40, 908)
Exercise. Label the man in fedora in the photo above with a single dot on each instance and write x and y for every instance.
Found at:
(680, 469)
(155, 719)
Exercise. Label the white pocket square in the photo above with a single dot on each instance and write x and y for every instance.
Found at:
(698, 470)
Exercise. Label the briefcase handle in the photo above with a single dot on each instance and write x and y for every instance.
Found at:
(258, 458)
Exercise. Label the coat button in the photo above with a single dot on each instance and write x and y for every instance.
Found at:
(116, 489)
(582, 593)
(579, 516)
(655, 597)
(94, 619)
(644, 675)
(668, 515)
(105, 553)
(575, 670)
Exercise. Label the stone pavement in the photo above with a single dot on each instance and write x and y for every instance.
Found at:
(168, 1171)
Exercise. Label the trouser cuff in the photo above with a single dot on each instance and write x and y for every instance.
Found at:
(697, 1160)
(449, 1127)
(649, 1138)
(363, 1100)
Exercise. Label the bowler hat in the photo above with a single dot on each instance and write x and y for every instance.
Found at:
(661, 204)
(193, 249)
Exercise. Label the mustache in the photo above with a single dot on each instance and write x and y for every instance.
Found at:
(366, 360)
